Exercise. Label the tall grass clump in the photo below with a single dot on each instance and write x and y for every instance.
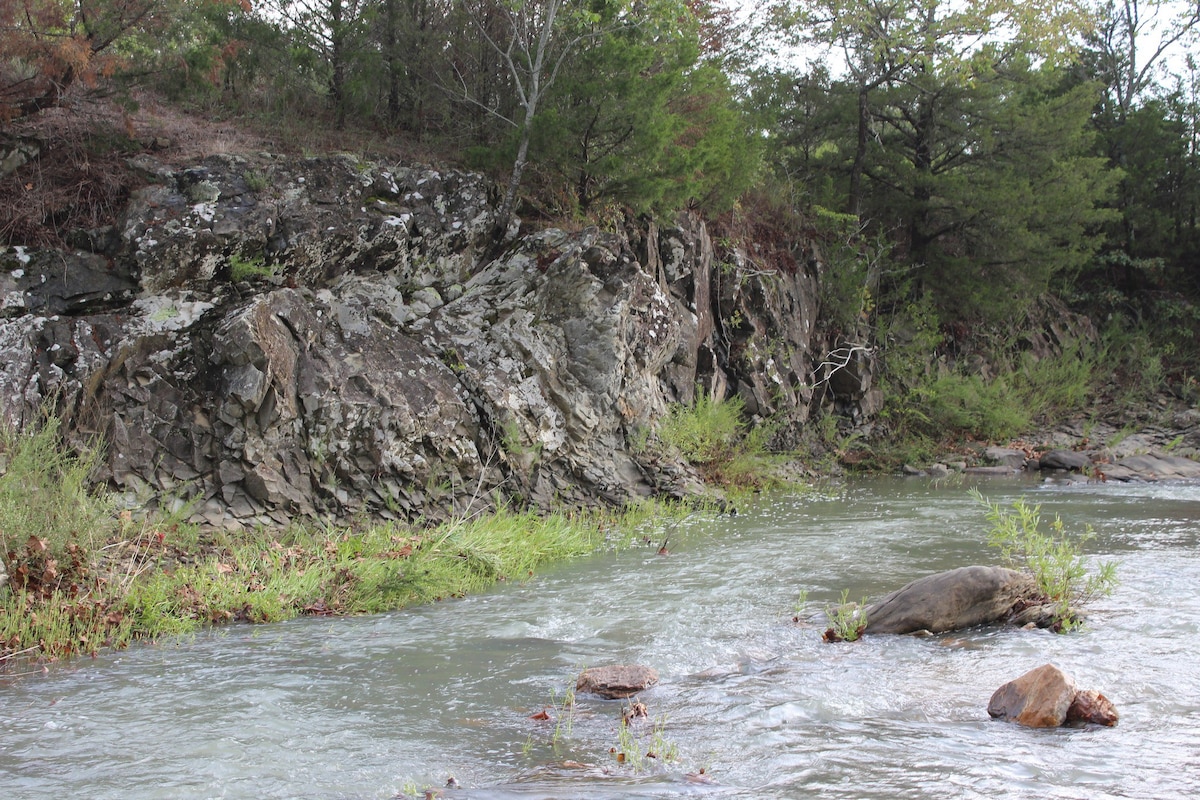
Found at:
(45, 502)
(712, 435)
(51, 529)
(1054, 558)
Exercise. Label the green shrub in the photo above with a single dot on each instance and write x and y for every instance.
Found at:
(1054, 559)
(712, 435)
(847, 620)
(706, 432)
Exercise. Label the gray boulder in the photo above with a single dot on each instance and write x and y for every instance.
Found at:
(1151, 468)
(1070, 460)
(1005, 457)
(947, 601)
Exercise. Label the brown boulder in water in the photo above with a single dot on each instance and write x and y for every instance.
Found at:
(617, 681)
(1038, 699)
(1091, 706)
(1047, 698)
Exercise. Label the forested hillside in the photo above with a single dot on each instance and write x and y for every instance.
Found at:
(971, 172)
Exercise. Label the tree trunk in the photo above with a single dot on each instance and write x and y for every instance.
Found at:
(860, 151)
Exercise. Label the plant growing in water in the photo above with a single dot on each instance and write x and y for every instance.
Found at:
(847, 620)
(1054, 558)
(634, 751)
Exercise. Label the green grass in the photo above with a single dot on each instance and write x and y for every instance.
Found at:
(45, 502)
(712, 435)
(247, 269)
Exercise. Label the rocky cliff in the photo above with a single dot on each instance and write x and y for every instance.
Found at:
(267, 338)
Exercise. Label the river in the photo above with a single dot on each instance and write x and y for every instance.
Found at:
(750, 704)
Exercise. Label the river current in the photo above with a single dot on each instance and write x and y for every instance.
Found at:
(751, 704)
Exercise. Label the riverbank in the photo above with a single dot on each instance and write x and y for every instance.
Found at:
(93, 579)
(84, 577)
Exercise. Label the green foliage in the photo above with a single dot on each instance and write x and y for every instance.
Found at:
(707, 432)
(636, 117)
(853, 263)
(847, 620)
(256, 180)
(1054, 558)
(46, 507)
(926, 402)
(712, 435)
(248, 269)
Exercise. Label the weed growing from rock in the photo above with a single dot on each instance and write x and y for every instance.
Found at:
(247, 269)
(847, 620)
(1054, 559)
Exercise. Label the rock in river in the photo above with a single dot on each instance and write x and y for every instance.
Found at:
(616, 682)
(948, 601)
(1046, 697)
(1038, 699)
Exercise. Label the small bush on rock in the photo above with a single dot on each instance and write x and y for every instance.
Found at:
(1055, 559)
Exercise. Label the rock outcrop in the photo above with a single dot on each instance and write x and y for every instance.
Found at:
(1045, 697)
(616, 682)
(953, 600)
(1142, 467)
(263, 338)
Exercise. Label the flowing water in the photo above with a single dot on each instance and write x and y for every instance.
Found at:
(752, 704)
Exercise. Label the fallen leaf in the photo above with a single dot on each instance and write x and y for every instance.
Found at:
(224, 569)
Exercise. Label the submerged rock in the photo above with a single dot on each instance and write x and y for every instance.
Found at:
(616, 682)
(1046, 697)
(952, 600)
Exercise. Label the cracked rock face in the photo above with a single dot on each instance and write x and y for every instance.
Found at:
(265, 338)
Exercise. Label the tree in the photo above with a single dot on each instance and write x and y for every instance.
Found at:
(334, 30)
(1130, 44)
(533, 40)
(47, 46)
(959, 148)
(1128, 53)
(640, 117)
(884, 43)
